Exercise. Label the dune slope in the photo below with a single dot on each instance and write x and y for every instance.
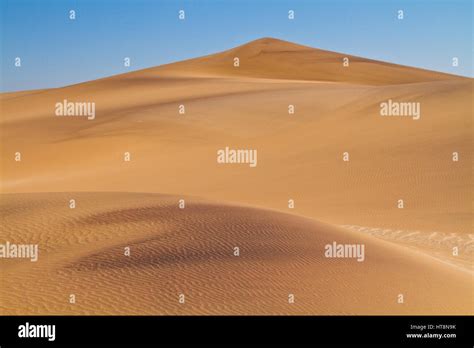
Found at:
(190, 251)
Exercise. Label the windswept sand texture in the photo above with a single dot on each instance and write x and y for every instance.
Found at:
(173, 156)
(190, 251)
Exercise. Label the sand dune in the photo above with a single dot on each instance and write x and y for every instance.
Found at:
(278, 59)
(190, 251)
(299, 157)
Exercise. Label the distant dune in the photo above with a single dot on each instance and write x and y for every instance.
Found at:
(300, 157)
(278, 59)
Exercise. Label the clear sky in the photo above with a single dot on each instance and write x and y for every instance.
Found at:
(56, 51)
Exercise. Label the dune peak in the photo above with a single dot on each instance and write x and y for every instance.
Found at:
(273, 58)
(273, 44)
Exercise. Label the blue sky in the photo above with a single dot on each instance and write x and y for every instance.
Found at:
(56, 51)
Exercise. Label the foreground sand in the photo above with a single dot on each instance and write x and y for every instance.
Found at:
(299, 157)
(190, 251)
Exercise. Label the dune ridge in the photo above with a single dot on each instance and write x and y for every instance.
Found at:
(275, 58)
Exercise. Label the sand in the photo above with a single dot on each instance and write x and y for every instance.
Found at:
(173, 155)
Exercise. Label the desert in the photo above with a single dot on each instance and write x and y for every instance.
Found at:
(343, 165)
